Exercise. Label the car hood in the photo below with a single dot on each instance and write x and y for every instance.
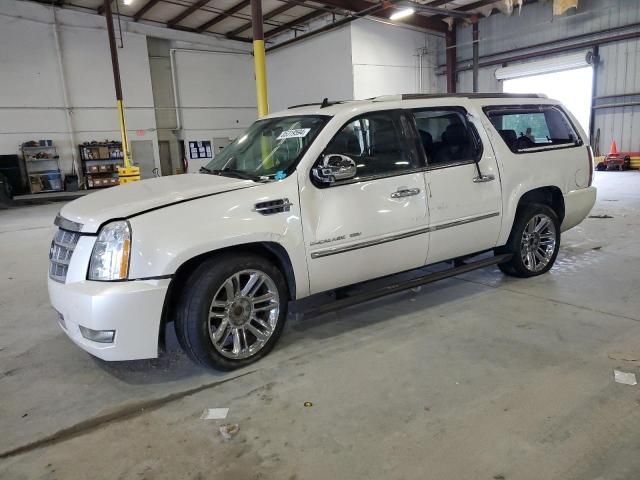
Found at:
(134, 198)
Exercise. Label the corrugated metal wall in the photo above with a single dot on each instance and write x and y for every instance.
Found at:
(618, 73)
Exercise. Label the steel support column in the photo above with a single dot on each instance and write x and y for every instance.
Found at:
(259, 57)
(128, 173)
(116, 82)
(476, 53)
(450, 42)
(594, 92)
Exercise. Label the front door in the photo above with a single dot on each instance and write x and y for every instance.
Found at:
(463, 182)
(374, 224)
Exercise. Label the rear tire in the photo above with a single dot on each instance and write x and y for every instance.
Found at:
(232, 311)
(534, 242)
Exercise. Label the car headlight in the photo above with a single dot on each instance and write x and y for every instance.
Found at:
(110, 256)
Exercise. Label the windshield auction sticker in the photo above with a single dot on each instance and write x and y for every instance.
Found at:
(294, 133)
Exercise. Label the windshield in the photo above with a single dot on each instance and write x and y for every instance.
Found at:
(269, 148)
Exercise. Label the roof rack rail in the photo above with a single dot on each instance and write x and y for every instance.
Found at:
(417, 96)
(302, 105)
(324, 104)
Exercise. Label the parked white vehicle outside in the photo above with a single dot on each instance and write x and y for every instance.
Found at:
(312, 199)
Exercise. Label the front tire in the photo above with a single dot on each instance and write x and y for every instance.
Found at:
(232, 311)
(534, 242)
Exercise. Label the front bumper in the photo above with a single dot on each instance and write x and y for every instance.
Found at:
(577, 205)
(132, 308)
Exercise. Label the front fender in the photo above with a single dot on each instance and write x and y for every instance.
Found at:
(164, 239)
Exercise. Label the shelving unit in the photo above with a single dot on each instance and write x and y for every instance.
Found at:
(100, 162)
(42, 167)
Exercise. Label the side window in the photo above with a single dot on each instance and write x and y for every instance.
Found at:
(533, 127)
(446, 136)
(379, 142)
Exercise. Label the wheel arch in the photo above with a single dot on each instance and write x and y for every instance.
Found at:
(272, 251)
(549, 195)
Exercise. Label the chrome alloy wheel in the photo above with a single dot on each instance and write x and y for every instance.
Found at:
(243, 314)
(538, 242)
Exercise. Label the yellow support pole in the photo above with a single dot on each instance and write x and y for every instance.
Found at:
(259, 57)
(128, 173)
(261, 77)
(260, 66)
(123, 134)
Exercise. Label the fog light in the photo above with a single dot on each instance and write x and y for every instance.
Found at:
(100, 336)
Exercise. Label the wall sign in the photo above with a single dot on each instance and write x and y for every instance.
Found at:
(200, 149)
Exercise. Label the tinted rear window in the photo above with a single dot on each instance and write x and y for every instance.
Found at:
(533, 128)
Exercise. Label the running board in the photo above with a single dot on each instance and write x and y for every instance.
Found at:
(407, 284)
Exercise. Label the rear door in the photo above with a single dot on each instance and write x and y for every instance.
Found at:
(463, 183)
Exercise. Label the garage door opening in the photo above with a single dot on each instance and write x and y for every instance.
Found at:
(571, 87)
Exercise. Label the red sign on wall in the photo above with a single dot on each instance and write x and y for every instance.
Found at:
(140, 133)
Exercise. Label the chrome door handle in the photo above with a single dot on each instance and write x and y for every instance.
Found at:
(484, 178)
(405, 192)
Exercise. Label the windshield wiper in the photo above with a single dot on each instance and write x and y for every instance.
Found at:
(231, 172)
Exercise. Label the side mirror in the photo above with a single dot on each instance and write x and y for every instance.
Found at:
(335, 167)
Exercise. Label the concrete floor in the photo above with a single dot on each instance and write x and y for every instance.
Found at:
(476, 377)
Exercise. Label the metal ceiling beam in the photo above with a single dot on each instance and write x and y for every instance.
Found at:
(144, 9)
(292, 24)
(420, 21)
(432, 11)
(372, 9)
(468, 7)
(186, 12)
(303, 3)
(350, 5)
(281, 9)
(362, 13)
(226, 14)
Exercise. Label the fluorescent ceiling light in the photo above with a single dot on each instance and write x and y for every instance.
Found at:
(127, 2)
(405, 12)
(547, 65)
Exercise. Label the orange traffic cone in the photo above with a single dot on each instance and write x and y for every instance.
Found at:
(614, 148)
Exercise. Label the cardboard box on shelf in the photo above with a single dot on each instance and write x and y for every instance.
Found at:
(103, 152)
(36, 185)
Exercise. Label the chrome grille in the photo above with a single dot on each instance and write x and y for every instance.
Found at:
(62, 246)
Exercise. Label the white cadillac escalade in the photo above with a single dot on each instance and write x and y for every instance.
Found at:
(312, 199)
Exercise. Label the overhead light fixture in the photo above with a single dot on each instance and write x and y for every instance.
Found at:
(127, 2)
(405, 12)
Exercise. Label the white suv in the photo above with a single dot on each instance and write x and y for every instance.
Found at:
(312, 199)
